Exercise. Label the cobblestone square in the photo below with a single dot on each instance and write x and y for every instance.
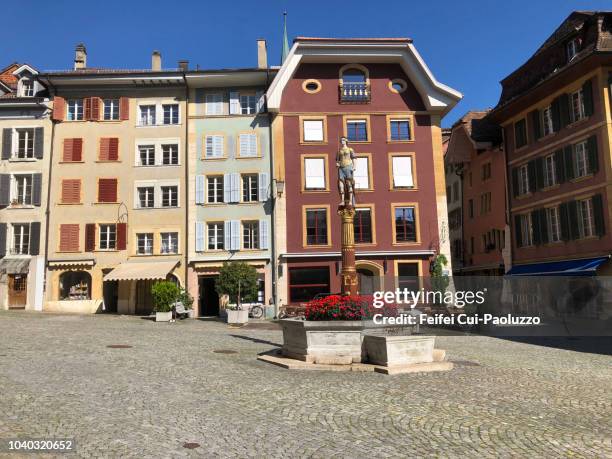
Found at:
(60, 379)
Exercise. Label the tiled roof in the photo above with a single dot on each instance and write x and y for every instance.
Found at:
(479, 127)
(372, 40)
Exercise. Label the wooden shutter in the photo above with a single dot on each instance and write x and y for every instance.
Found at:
(587, 97)
(39, 142)
(568, 162)
(90, 237)
(518, 235)
(107, 190)
(536, 227)
(539, 173)
(199, 189)
(87, 108)
(599, 215)
(7, 143)
(199, 237)
(515, 182)
(73, 150)
(121, 236)
(592, 154)
(559, 166)
(572, 208)
(564, 221)
(109, 149)
(36, 189)
(536, 126)
(71, 191)
(2, 240)
(531, 173)
(59, 108)
(555, 111)
(543, 219)
(95, 108)
(124, 108)
(564, 110)
(69, 238)
(5, 189)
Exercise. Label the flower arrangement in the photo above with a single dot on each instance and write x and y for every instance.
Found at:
(341, 307)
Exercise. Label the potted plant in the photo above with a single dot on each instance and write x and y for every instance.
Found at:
(186, 300)
(165, 294)
(237, 280)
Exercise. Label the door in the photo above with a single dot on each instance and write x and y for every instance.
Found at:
(144, 298)
(111, 295)
(366, 281)
(17, 290)
(209, 298)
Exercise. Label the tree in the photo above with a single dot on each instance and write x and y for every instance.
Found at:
(164, 295)
(238, 280)
(439, 280)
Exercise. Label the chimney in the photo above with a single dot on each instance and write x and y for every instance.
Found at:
(262, 54)
(156, 61)
(80, 57)
(183, 65)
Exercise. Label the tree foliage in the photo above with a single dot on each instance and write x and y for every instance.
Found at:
(238, 280)
(165, 294)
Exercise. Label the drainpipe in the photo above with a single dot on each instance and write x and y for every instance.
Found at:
(48, 206)
(186, 187)
(507, 199)
(273, 216)
(460, 173)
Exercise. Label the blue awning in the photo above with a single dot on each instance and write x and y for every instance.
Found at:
(583, 267)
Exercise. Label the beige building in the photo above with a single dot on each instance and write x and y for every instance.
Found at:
(117, 197)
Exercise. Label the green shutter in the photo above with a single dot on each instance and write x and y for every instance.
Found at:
(531, 173)
(564, 111)
(559, 169)
(599, 215)
(539, 172)
(593, 156)
(564, 221)
(568, 162)
(573, 222)
(535, 227)
(535, 124)
(543, 226)
(587, 94)
(515, 185)
(555, 110)
(518, 237)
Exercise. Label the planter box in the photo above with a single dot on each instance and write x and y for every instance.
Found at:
(327, 342)
(163, 316)
(240, 316)
(399, 350)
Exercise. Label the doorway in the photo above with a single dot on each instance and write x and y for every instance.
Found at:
(111, 295)
(209, 298)
(17, 291)
(369, 276)
(144, 297)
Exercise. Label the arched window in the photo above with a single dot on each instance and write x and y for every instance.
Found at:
(75, 285)
(354, 84)
(353, 75)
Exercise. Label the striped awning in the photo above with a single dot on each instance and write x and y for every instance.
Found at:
(135, 270)
(14, 265)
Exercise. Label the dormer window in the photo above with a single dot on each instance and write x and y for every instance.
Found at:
(572, 48)
(27, 88)
(354, 84)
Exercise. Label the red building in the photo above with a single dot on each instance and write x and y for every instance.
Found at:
(381, 96)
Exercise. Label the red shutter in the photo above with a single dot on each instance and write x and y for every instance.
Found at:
(90, 237)
(121, 236)
(69, 238)
(107, 190)
(87, 108)
(113, 149)
(73, 149)
(59, 108)
(124, 108)
(95, 108)
(71, 191)
(103, 155)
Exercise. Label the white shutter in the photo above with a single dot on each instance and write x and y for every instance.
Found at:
(227, 188)
(402, 171)
(199, 189)
(261, 100)
(263, 234)
(217, 146)
(314, 169)
(360, 174)
(199, 242)
(214, 104)
(234, 105)
(248, 145)
(313, 130)
(253, 144)
(235, 187)
(235, 233)
(262, 181)
(227, 235)
(208, 147)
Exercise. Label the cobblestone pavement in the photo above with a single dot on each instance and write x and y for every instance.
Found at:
(58, 379)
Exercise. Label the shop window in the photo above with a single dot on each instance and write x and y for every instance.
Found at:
(75, 285)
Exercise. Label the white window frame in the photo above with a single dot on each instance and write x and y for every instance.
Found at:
(157, 185)
(147, 239)
(150, 153)
(572, 47)
(215, 230)
(581, 159)
(147, 114)
(312, 182)
(158, 151)
(26, 87)
(172, 195)
(174, 148)
(156, 116)
(108, 236)
(113, 109)
(523, 180)
(169, 239)
(547, 123)
(23, 247)
(577, 106)
(245, 104)
(363, 121)
(252, 236)
(526, 230)
(311, 132)
(75, 106)
(173, 107)
(244, 178)
(28, 185)
(552, 223)
(218, 187)
(586, 218)
(149, 195)
(550, 171)
(213, 102)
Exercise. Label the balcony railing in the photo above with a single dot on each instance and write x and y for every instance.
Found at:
(354, 93)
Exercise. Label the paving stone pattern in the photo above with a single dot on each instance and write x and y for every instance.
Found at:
(58, 379)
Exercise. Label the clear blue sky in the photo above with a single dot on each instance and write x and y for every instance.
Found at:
(469, 45)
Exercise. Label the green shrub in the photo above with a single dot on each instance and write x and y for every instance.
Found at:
(238, 280)
(165, 294)
(185, 298)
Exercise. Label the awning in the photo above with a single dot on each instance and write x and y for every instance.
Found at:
(71, 263)
(582, 267)
(133, 270)
(14, 265)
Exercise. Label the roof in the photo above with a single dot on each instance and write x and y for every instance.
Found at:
(474, 130)
(359, 40)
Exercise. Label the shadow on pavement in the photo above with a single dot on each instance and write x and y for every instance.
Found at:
(590, 344)
(257, 340)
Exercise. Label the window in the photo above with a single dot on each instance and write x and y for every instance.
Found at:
(361, 173)
(27, 88)
(552, 220)
(401, 168)
(248, 145)
(354, 86)
(313, 130)
(248, 104)
(250, 235)
(111, 109)
(75, 110)
(485, 171)
(471, 208)
(169, 243)
(306, 283)
(144, 244)
(357, 130)
(169, 196)
(523, 179)
(398, 85)
(21, 239)
(71, 191)
(485, 203)
(547, 123)
(69, 238)
(314, 174)
(147, 115)
(249, 188)
(316, 227)
(75, 285)
(405, 224)
(107, 190)
(147, 155)
(526, 230)
(23, 189)
(215, 236)
(25, 143)
(108, 237)
(586, 222)
(215, 189)
(170, 154)
(171, 113)
(146, 197)
(311, 86)
(520, 133)
(214, 146)
(363, 226)
(400, 130)
(214, 104)
(577, 106)
(109, 149)
(549, 171)
(572, 48)
(73, 150)
(580, 160)
(408, 276)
